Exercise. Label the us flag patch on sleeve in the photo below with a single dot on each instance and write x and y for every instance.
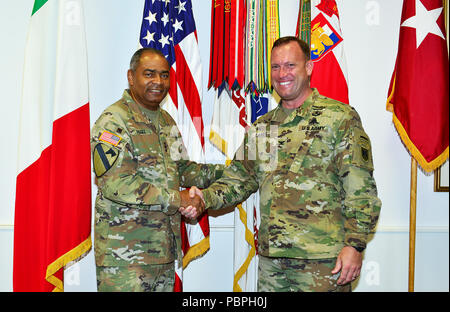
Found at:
(110, 138)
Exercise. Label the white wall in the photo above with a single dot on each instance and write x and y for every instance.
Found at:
(370, 30)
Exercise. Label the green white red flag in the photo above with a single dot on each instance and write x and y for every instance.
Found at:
(53, 189)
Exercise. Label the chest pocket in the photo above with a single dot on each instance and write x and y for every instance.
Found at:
(172, 143)
(299, 158)
(145, 146)
(312, 147)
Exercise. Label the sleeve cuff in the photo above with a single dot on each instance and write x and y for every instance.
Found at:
(210, 201)
(174, 201)
(356, 240)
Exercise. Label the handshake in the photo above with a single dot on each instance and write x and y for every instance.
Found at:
(192, 204)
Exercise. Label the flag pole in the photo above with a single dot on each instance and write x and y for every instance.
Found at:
(412, 224)
(413, 197)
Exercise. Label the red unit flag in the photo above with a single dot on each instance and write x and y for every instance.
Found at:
(418, 91)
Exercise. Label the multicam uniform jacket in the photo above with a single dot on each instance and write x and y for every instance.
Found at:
(314, 171)
(139, 169)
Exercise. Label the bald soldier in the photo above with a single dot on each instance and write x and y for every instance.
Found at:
(311, 161)
(140, 163)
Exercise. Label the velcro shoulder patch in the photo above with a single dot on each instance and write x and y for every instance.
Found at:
(104, 158)
(362, 151)
(110, 138)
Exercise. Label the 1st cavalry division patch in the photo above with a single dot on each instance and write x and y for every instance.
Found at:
(104, 158)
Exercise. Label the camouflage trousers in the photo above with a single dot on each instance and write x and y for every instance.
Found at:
(142, 278)
(287, 274)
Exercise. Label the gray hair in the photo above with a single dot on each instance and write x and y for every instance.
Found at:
(134, 63)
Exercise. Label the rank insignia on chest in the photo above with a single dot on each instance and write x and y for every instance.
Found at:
(104, 158)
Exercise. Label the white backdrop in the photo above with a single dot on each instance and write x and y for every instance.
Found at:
(370, 30)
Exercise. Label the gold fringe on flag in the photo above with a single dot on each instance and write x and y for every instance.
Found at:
(250, 239)
(64, 261)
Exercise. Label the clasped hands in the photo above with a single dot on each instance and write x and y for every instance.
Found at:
(192, 203)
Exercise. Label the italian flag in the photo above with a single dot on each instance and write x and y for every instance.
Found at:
(53, 189)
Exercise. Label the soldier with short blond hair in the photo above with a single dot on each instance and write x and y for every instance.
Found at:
(311, 161)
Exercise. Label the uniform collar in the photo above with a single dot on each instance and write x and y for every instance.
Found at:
(134, 108)
(281, 117)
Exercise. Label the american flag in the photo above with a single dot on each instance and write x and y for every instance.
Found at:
(109, 138)
(169, 26)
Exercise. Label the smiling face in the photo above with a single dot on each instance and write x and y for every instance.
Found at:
(290, 74)
(149, 82)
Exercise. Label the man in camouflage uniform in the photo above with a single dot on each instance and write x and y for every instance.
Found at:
(140, 163)
(312, 163)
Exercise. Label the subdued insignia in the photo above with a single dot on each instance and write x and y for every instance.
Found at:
(364, 145)
(317, 110)
(313, 121)
(104, 158)
(362, 152)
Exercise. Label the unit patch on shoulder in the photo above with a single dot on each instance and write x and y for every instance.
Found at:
(104, 158)
(110, 138)
(362, 153)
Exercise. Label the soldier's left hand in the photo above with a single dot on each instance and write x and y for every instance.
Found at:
(349, 262)
(190, 212)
